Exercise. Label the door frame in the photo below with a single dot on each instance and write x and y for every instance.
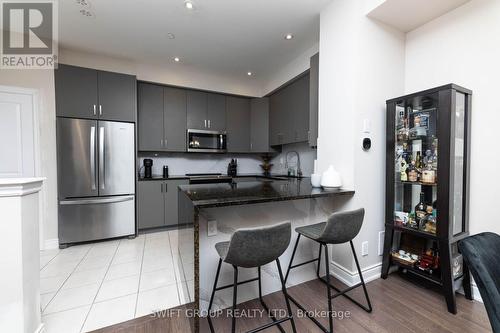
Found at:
(34, 94)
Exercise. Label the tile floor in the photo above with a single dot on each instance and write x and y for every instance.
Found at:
(90, 286)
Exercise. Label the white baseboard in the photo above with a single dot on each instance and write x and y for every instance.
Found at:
(51, 244)
(351, 278)
(373, 272)
(40, 329)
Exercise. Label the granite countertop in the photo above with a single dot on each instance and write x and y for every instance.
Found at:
(173, 177)
(243, 175)
(219, 195)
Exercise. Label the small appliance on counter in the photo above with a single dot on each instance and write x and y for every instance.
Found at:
(148, 168)
(331, 178)
(165, 171)
(232, 168)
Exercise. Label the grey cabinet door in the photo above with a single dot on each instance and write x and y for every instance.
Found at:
(216, 112)
(117, 96)
(238, 124)
(150, 204)
(174, 119)
(300, 109)
(259, 125)
(76, 92)
(276, 114)
(150, 114)
(172, 201)
(313, 100)
(196, 110)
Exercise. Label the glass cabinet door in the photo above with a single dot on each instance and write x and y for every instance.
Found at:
(416, 163)
(459, 116)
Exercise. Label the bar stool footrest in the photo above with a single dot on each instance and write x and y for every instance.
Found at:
(343, 293)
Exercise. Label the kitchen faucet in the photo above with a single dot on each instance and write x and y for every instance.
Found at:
(299, 171)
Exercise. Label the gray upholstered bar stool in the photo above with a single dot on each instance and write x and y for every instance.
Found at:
(253, 248)
(340, 228)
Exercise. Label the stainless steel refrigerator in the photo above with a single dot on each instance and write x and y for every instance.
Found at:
(96, 179)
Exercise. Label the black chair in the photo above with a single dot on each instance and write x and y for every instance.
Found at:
(340, 228)
(481, 256)
(251, 248)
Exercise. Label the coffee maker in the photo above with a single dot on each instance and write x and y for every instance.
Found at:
(148, 168)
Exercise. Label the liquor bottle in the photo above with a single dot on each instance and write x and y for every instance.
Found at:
(418, 160)
(412, 172)
(420, 211)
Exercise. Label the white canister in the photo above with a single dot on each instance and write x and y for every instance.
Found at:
(316, 180)
(331, 178)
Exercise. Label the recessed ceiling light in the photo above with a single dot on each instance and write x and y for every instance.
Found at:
(177, 59)
(170, 35)
(249, 73)
(288, 36)
(188, 4)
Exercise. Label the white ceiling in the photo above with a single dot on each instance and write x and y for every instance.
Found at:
(229, 37)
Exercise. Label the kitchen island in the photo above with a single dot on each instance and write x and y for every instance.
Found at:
(214, 211)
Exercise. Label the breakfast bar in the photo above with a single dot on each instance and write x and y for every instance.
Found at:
(211, 213)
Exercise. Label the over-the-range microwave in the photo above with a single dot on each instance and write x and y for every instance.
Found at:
(202, 141)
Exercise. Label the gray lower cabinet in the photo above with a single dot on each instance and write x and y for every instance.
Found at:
(157, 202)
(238, 124)
(259, 125)
(162, 118)
(313, 100)
(150, 204)
(92, 94)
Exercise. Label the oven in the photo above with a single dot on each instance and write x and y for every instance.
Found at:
(201, 141)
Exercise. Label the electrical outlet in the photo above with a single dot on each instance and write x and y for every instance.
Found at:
(364, 249)
(212, 228)
(381, 236)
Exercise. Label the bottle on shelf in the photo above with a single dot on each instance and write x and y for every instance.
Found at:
(418, 160)
(412, 172)
(420, 211)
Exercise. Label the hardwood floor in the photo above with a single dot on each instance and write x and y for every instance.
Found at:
(398, 306)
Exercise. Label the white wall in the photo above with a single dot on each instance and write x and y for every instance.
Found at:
(43, 81)
(463, 47)
(361, 65)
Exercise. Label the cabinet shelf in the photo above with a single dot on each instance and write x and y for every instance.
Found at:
(429, 277)
(415, 232)
(415, 183)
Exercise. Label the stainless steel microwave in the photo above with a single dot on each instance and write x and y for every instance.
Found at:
(201, 141)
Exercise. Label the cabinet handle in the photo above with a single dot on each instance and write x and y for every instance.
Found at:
(161, 143)
(166, 143)
(95, 109)
(205, 123)
(166, 187)
(100, 109)
(209, 123)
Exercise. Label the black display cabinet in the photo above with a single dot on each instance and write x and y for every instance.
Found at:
(427, 185)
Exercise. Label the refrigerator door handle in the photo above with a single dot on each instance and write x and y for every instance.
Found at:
(102, 176)
(96, 201)
(92, 157)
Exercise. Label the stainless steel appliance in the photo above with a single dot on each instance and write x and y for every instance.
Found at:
(148, 168)
(208, 178)
(96, 180)
(201, 141)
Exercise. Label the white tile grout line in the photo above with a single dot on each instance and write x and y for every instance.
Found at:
(140, 276)
(173, 262)
(98, 289)
(62, 284)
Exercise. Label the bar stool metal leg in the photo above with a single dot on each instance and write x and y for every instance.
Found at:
(212, 297)
(293, 255)
(264, 305)
(285, 293)
(328, 288)
(369, 309)
(235, 295)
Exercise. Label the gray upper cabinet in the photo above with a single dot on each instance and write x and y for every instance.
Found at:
(76, 92)
(157, 202)
(162, 118)
(117, 96)
(216, 112)
(313, 100)
(150, 117)
(174, 119)
(150, 204)
(206, 111)
(196, 110)
(259, 125)
(238, 124)
(88, 93)
(289, 113)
